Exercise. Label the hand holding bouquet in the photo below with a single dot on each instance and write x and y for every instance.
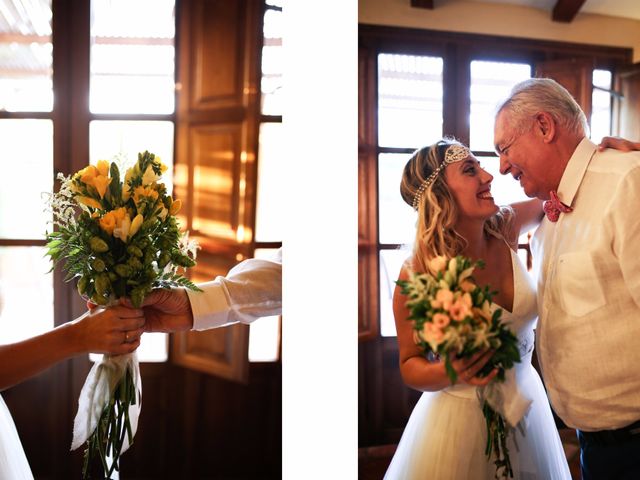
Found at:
(119, 238)
(452, 318)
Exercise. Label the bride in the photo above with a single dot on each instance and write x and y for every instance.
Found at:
(114, 331)
(446, 434)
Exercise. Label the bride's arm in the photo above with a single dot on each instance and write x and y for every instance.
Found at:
(528, 215)
(417, 372)
(99, 331)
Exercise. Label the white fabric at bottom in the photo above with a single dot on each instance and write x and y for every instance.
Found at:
(446, 434)
(13, 462)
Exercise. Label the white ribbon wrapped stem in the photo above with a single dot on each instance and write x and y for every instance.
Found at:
(97, 391)
(506, 398)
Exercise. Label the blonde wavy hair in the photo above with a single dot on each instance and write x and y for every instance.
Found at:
(437, 210)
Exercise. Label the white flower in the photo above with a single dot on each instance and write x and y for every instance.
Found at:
(149, 176)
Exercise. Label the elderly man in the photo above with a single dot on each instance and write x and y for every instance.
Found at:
(587, 262)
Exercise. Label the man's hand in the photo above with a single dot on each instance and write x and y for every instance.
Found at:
(166, 311)
(618, 143)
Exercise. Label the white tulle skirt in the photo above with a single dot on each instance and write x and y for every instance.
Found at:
(445, 437)
(13, 462)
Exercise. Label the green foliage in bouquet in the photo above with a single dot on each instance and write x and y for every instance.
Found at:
(118, 238)
(125, 240)
(452, 318)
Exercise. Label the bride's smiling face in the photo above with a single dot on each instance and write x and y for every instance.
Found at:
(470, 186)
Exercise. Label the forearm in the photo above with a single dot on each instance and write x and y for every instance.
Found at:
(22, 360)
(422, 375)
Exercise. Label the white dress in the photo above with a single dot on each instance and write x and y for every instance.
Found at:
(446, 434)
(13, 462)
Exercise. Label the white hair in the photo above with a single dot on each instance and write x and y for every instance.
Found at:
(536, 95)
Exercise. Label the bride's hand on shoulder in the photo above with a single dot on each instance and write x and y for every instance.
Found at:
(114, 330)
(468, 368)
(618, 143)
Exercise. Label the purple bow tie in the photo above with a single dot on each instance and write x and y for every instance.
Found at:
(554, 207)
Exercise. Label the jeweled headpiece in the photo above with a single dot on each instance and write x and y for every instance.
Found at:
(454, 153)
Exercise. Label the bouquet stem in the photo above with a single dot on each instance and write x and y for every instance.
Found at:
(107, 416)
(497, 440)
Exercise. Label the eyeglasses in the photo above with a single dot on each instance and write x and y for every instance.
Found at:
(504, 150)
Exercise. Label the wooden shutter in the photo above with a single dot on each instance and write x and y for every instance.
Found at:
(368, 275)
(627, 113)
(576, 75)
(215, 170)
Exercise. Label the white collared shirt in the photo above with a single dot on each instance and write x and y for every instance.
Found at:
(588, 271)
(252, 289)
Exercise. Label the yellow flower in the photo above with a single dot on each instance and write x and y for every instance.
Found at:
(87, 174)
(103, 168)
(175, 207)
(113, 219)
(123, 226)
(108, 222)
(135, 225)
(101, 183)
(157, 161)
(88, 201)
(141, 192)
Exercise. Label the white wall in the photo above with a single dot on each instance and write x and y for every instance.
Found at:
(502, 19)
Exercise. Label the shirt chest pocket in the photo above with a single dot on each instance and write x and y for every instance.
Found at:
(577, 284)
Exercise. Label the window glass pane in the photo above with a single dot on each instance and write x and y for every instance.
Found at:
(397, 219)
(264, 333)
(409, 100)
(125, 139)
(491, 82)
(390, 264)
(270, 202)
(26, 56)
(132, 56)
(271, 85)
(27, 174)
(601, 105)
(23, 279)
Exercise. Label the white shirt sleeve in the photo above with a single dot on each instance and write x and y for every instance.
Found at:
(252, 289)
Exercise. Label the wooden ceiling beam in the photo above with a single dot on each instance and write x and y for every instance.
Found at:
(566, 10)
(422, 4)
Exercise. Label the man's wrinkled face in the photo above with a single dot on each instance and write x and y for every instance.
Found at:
(520, 153)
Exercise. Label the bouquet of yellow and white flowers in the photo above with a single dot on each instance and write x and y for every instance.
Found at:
(452, 318)
(120, 239)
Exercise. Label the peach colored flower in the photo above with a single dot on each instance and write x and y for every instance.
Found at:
(467, 300)
(444, 299)
(459, 310)
(432, 335)
(438, 264)
(441, 320)
(467, 286)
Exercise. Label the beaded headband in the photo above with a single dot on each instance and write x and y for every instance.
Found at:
(454, 153)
